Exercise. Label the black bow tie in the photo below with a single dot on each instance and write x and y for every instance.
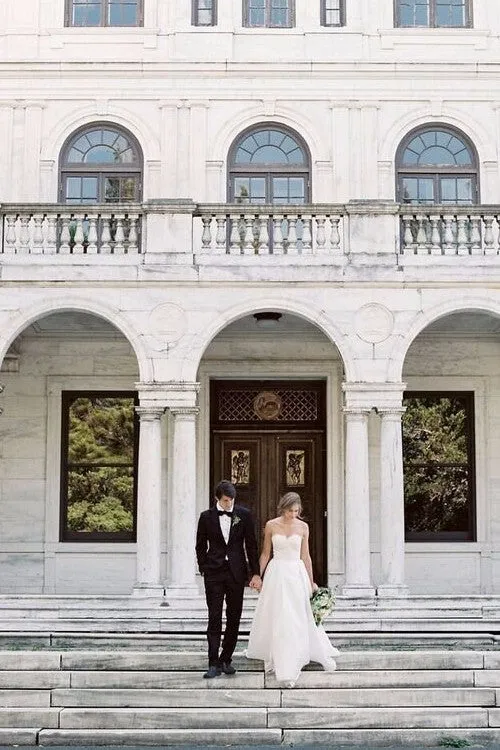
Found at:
(225, 513)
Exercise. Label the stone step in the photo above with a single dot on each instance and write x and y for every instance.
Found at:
(301, 698)
(163, 718)
(159, 737)
(260, 718)
(308, 679)
(15, 737)
(25, 698)
(39, 680)
(196, 660)
(29, 717)
(364, 738)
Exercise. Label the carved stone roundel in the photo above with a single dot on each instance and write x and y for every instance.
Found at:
(374, 323)
(267, 405)
(167, 322)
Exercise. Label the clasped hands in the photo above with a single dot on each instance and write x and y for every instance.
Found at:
(256, 583)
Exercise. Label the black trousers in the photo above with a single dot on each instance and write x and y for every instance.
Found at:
(217, 588)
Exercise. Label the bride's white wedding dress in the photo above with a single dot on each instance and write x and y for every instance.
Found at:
(283, 633)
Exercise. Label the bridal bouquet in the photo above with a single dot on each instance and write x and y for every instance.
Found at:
(322, 603)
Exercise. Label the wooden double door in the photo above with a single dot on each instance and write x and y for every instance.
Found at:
(264, 464)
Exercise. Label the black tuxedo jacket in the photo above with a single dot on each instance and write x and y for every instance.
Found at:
(241, 549)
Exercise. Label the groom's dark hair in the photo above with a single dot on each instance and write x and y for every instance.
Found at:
(225, 488)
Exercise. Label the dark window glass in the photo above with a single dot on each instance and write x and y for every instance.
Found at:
(433, 13)
(437, 165)
(101, 164)
(332, 13)
(204, 12)
(104, 12)
(99, 466)
(271, 13)
(438, 459)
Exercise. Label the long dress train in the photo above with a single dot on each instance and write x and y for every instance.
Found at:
(283, 633)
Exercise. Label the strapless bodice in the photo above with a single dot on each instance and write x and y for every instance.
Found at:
(286, 547)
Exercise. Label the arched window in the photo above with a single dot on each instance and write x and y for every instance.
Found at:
(269, 164)
(437, 164)
(101, 163)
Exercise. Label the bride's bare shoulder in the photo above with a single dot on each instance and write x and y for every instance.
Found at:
(272, 523)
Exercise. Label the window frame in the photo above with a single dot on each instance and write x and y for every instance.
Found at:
(195, 11)
(342, 15)
(81, 537)
(68, 17)
(432, 17)
(470, 536)
(100, 170)
(268, 24)
(403, 171)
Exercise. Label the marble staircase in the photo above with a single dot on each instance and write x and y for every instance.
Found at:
(150, 691)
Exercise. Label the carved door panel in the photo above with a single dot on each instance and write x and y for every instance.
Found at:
(265, 465)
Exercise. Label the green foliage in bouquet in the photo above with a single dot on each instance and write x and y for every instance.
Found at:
(322, 603)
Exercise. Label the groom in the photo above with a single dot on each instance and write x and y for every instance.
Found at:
(226, 548)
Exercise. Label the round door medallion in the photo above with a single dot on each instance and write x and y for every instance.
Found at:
(267, 405)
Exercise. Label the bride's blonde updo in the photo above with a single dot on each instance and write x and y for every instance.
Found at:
(288, 500)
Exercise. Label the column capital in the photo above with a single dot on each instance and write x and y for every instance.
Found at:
(391, 412)
(168, 395)
(184, 411)
(377, 396)
(354, 412)
(149, 413)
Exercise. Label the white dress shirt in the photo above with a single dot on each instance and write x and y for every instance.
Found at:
(225, 522)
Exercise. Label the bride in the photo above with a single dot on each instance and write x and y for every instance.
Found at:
(283, 633)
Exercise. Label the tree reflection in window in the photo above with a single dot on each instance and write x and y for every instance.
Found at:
(438, 456)
(98, 466)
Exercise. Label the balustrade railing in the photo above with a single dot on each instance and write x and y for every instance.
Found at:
(268, 230)
(90, 231)
(439, 230)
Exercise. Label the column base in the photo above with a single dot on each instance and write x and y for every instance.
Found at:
(354, 591)
(148, 590)
(389, 591)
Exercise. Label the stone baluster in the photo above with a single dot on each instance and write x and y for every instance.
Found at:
(206, 237)
(51, 236)
(489, 240)
(92, 236)
(408, 243)
(24, 236)
(435, 236)
(462, 238)
(306, 236)
(37, 248)
(235, 238)
(64, 246)
(105, 248)
(220, 236)
(148, 578)
(278, 248)
(449, 244)
(422, 248)
(182, 559)
(335, 236)
(392, 521)
(132, 234)
(320, 243)
(263, 248)
(292, 248)
(10, 235)
(79, 236)
(357, 505)
(475, 235)
(248, 241)
(119, 247)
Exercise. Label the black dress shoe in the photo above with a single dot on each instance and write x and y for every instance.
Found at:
(212, 671)
(227, 667)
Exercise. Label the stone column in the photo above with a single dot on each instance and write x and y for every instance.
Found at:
(181, 553)
(357, 505)
(148, 582)
(392, 522)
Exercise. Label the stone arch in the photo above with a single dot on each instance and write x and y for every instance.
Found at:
(418, 117)
(29, 315)
(316, 317)
(424, 318)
